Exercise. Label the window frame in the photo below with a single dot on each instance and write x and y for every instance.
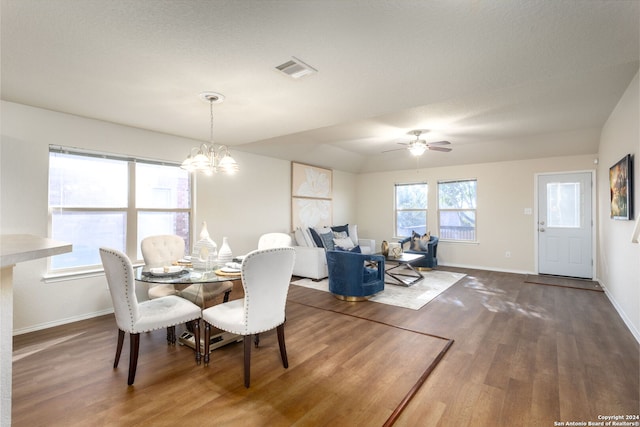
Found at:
(131, 211)
(396, 210)
(442, 236)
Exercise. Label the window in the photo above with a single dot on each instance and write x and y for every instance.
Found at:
(457, 209)
(411, 209)
(101, 200)
(563, 205)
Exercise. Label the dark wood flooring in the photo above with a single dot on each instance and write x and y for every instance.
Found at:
(523, 354)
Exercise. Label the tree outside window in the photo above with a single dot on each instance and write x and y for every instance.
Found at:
(457, 210)
(100, 200)
(411, 209)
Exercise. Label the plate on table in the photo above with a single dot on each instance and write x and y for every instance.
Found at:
(172, 271)
(228, 271)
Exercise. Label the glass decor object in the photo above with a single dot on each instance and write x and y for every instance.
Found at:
(204, 251)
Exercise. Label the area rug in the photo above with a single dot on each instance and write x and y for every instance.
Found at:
(414, 297)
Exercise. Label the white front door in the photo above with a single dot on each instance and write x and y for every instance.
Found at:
(565, 226)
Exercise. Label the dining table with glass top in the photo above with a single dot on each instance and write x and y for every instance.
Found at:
(200, 286)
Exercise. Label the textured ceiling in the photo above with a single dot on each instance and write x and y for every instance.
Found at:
(499, 79)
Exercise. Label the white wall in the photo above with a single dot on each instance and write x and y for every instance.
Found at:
(241, 207)
(26, 135)
(504, 191)
(257, 200)
(619, 259)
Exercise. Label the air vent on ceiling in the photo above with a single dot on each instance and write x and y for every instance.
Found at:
(296, 68)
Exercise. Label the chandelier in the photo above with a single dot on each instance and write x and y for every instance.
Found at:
(210, 158)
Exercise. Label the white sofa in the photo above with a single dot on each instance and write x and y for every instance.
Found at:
(311, 261)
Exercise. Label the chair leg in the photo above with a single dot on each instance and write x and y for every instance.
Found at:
(171, 335)
(207, 338)
(196, 336)
(226, 296)
(119, 348)
(247, 359)
(283, 348)
(256, 340)
(133, 357)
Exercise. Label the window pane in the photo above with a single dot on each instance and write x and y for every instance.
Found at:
(411, 196)
(458, 225)
(87, 232)
(457, 195)
(408, 221)
(563, 204)
(89, 182)
(162, 187)
(153, 223)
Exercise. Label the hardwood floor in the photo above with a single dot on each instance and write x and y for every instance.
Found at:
(522, 354)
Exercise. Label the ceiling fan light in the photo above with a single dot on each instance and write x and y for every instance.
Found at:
(417, 149)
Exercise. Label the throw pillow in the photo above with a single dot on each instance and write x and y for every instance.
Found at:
(424, 241)
(299, 235)
(316, 237)
(340, 235)
(339, 228)
(419, 243)
(344, 243)
(307, 237)
(327, 241)
(414, 244)
(353, 233)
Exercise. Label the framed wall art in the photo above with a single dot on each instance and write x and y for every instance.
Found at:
(311, 196)
(621, 189)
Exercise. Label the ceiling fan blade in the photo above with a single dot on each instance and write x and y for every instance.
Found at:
(439, 143)
(395, 149)
(436, 148)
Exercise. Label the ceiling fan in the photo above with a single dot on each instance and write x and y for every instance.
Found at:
(418, 146)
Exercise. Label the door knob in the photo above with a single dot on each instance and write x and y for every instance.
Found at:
(541, 223)
(541, 230)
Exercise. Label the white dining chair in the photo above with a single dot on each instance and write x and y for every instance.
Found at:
(266, 275)
(136, 317)
(274, 240)
(164, 250)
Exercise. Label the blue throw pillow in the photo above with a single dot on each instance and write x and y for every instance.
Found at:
(339, 228)
(327, 241)
(316, 237)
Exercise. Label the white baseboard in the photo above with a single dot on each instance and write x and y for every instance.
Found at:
(59, 322)
(483, 268)
(621, 313)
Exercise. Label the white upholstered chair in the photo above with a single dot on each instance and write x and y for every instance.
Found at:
(164, 250)
(274, 240)
(135, 317)
(266, 275)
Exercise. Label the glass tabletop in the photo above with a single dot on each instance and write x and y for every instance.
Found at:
(202, 287)
(186, 275)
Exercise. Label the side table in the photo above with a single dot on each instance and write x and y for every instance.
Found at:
(406, 277)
